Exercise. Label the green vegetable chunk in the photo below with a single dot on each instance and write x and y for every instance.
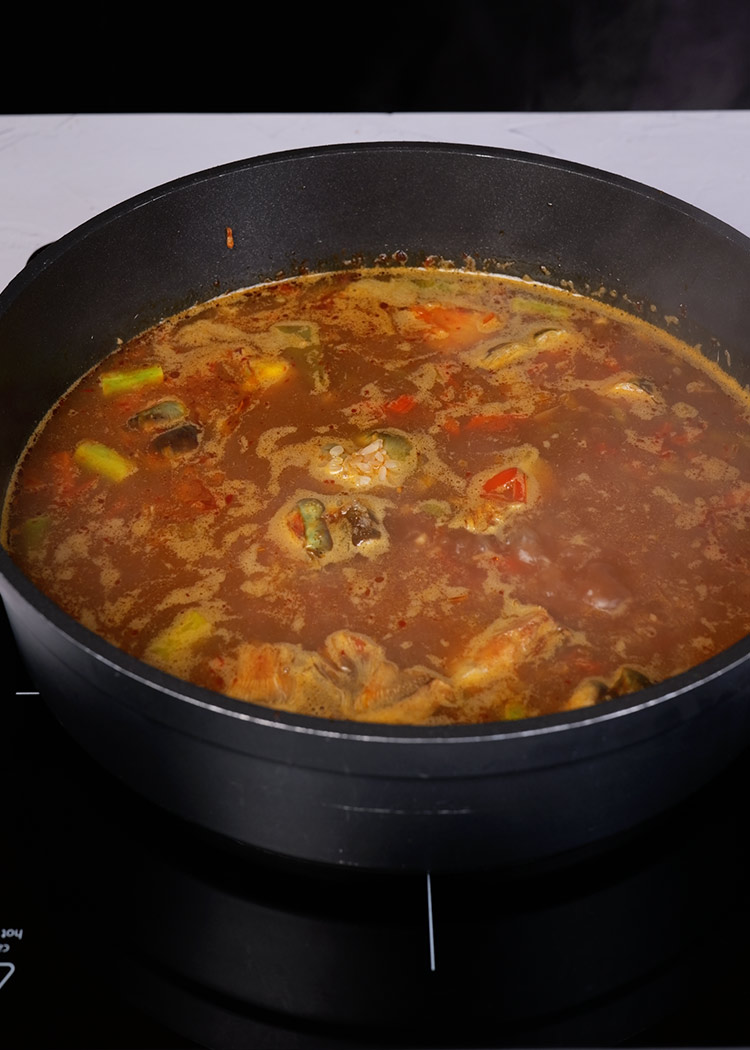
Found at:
(124, 382)
(34, 530)
(186, 631)
(102, 460)
(299, 340)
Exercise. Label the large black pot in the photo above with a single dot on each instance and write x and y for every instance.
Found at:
(344, 793)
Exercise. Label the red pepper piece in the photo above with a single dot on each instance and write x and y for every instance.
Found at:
(508, 485)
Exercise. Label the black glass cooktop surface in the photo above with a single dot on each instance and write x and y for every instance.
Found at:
(122, 927)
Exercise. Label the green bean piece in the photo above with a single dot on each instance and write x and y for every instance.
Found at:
(317, 537)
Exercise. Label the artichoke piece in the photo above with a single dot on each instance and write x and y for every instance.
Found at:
(638, 386)
(361, 523)
(162, 414)
(640, 393)
(592, 691)
(629, 680)
(502, 354)
(176, 440)
(586, 694)
(317, 537)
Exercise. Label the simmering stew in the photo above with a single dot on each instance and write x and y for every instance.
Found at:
(400, 496)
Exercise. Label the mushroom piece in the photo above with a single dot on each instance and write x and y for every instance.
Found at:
(361, 523)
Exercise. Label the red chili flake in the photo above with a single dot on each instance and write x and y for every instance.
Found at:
(230, 237)
(402, 623)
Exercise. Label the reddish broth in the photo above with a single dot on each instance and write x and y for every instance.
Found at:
(399, 496)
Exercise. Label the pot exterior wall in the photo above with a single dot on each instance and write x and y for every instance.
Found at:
(403, 800)
(483, 815)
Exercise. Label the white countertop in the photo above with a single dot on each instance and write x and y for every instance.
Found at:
(59, 170)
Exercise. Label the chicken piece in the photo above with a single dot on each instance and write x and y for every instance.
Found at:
(432, 700)
(288, 677)
(379, 690)
(498, 652)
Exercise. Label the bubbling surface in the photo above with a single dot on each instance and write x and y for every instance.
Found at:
(399, 496)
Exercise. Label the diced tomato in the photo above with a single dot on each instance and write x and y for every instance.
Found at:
(296, 524)
(509, 486)
(401, 405)
(453, 327)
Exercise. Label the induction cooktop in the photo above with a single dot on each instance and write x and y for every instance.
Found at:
(120, 926)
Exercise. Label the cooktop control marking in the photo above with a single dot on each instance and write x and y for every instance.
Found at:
(7, 969)
(430, 927)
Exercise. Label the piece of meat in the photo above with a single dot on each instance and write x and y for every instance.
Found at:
(286, 676)
(379, 690)
(499, 651)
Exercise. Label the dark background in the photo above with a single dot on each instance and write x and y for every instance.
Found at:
(475, 56)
